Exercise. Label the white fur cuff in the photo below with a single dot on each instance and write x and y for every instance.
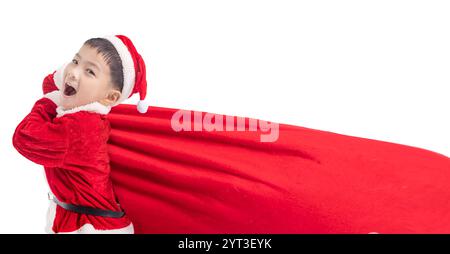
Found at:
(54, 96)
(58, 77)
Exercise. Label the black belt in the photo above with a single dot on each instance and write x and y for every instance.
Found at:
(86, 209)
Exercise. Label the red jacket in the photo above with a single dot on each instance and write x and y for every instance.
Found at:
(72, 147)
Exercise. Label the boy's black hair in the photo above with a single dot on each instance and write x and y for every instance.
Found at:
(112, 59)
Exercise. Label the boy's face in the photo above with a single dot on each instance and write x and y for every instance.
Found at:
(87, 79)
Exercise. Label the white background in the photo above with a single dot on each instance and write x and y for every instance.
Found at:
(375, 69)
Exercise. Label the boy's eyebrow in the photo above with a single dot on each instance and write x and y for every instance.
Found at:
(89, 62)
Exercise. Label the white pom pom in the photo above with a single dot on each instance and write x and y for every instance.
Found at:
(142, 106)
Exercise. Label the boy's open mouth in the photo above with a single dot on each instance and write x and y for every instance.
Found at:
(69, 90)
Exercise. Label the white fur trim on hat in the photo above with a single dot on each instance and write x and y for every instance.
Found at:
(129, 73)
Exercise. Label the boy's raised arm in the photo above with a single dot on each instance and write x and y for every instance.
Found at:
(38, 137)
(48, 85)
(53, 81)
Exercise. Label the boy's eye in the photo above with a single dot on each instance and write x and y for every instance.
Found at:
(90, 72)
(74, 61)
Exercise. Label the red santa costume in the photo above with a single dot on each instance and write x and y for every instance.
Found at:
(72, 147)
(307, 181)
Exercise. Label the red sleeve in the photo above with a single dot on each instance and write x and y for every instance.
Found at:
(39, 138)
(48, 85)
(54, 80)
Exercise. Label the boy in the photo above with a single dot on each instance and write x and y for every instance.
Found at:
(67, 133)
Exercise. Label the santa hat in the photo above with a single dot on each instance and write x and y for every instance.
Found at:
(134, 73)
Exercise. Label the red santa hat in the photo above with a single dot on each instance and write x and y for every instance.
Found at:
(134, 74)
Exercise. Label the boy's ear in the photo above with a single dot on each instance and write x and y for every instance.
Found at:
(111, 98)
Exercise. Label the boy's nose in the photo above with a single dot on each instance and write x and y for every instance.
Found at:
(72, 75)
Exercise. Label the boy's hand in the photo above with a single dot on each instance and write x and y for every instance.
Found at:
(54, 81)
